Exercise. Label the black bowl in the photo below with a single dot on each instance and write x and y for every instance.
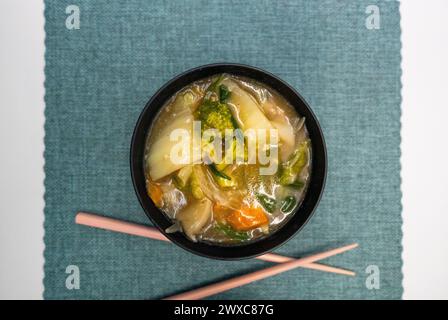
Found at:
(303, 212)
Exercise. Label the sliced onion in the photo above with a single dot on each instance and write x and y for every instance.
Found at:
(175, 227)
(227, 198)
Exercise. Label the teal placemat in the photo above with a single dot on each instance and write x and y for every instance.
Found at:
(99, 77)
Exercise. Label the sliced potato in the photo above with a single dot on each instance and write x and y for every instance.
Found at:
(186, 100)
(159, 161)
(285, 129)
(183, 175)
(287, 138)
(249, 115)
(246, 109)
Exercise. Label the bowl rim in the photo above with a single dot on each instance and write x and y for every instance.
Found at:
(213, 250)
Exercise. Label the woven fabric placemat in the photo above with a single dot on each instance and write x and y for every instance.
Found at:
(99, 77)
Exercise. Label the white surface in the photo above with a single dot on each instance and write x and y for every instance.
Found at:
(21, 142)
(424, 148)
(424, 153)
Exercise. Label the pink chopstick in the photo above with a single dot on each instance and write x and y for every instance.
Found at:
(257, 275)
(96, 221)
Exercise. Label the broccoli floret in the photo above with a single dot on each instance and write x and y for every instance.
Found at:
(213, 111)
(215, 115)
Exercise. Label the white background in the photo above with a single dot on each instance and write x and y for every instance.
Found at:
(424, 149)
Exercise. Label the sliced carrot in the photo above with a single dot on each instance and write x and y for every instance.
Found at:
(220, 212)
(247, 219)
(156, 194)
(240, 220)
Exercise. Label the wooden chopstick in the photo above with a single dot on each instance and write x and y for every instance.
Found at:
(97, 221)
(257, 275)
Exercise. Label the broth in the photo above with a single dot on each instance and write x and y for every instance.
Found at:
(239, 197)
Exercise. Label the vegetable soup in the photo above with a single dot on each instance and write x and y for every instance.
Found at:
(228, 160)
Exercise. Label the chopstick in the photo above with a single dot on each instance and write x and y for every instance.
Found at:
(239, 281)
(101, 222)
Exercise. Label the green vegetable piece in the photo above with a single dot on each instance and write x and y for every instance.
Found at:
(213, 87)
(225, 183)
(182, 176)
(213, 111)
(291, 169)
(288, 204)
(218, 173)
(234, 152)
(224, 93)
(298, 184)
(178, 183)
(196, 190)
(221, 166)
(221, 178)
(214, 115)
(231, 233)
(267, 202)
